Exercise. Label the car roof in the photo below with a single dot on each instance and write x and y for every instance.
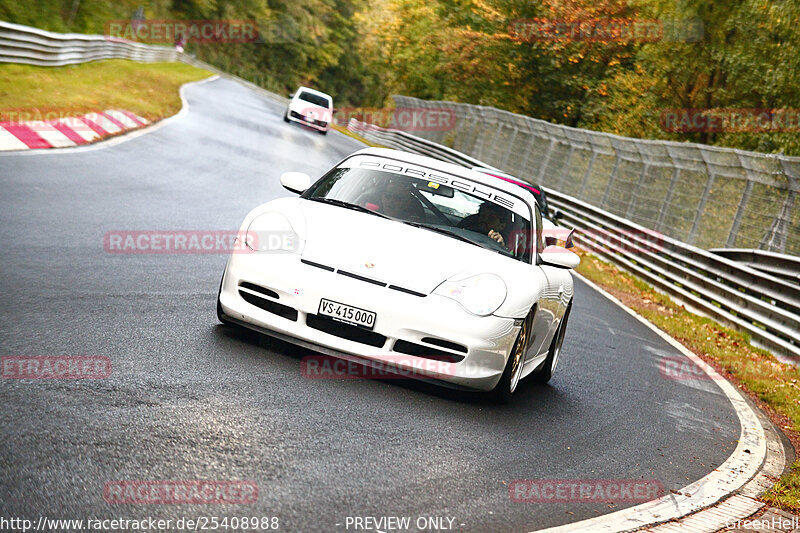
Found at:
(508, 178)
(314, 91)
(430, 162)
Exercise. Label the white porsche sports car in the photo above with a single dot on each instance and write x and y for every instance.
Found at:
(408, 262)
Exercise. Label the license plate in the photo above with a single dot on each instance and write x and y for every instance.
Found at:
(347, 313)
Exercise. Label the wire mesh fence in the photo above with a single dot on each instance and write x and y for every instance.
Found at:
(707, 196)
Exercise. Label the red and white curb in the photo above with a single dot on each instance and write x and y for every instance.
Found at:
(67, 131)
(97, 142)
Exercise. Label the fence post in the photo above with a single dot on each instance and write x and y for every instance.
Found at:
(586, 175)
(776, 238)
(737, 220)
(700, 209)
(545, 161)
(635, 192)
(611, 179)
(528, 149)
(565, 169)
(510, 147)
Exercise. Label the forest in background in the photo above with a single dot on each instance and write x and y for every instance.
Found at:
(711, 54)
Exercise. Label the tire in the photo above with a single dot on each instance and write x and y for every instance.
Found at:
(545, 373)
(286, 116)
(510, 379)
(323, 132)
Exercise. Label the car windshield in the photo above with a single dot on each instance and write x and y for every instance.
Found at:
(314, 99)
(429, 205)
(536, 190)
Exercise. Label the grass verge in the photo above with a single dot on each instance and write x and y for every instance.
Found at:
(355, 136)
(773, 385)
(148, 89)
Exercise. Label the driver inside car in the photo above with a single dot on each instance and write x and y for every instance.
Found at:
(398, 201)
(490, 220)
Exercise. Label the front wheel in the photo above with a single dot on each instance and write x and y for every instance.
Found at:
(323, 132)
(544, 374)
(286, 116)
(505, 388)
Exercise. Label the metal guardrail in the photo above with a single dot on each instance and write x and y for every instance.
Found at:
(706, 196)
(32, 46)
(779, 265)
(764, 306)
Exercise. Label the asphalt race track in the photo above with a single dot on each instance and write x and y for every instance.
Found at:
(191, 399)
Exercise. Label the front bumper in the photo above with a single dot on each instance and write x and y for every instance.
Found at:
(408, 318)
(300, 119)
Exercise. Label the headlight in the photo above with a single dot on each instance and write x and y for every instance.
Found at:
(272, 232)
(480, 295)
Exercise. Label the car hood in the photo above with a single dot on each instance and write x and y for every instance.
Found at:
(389, 251)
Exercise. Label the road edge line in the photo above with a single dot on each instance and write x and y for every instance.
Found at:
(755, 453)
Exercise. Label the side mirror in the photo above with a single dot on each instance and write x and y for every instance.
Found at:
(291, 95)
(334, 110)
(296, 182)
(569, 243)
(557, 213)
(559, 257)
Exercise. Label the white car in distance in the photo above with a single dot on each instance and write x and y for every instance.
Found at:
(310, 108)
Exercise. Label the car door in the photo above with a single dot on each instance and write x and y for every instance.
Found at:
(548, 310)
